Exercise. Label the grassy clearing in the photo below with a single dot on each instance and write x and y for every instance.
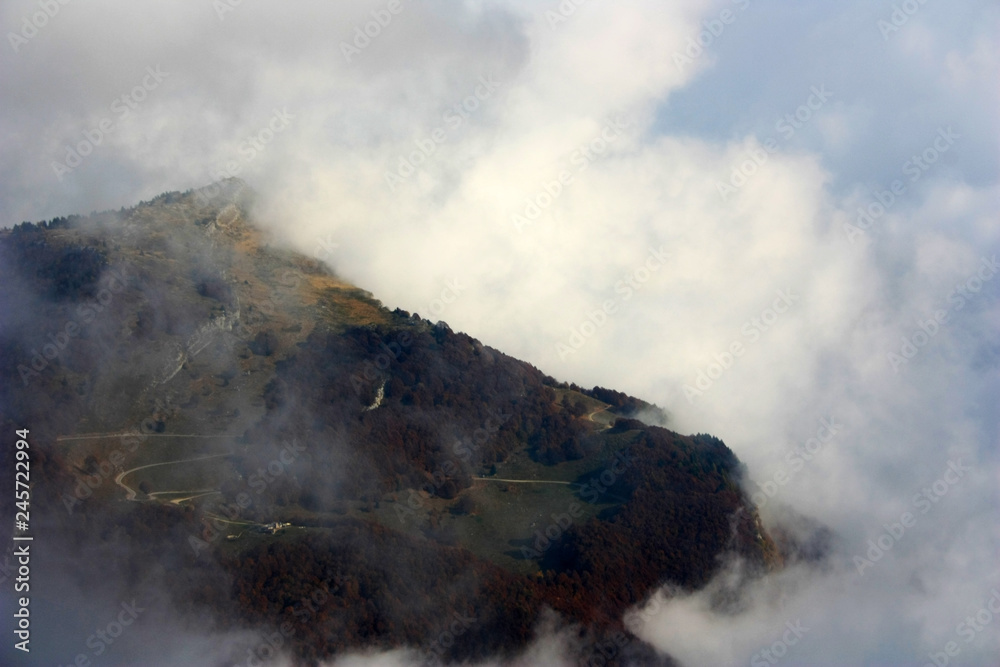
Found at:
(574, 396)
(495, 520)
(601, 448)
(506, 515)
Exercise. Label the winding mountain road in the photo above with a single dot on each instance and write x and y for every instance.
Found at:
(522, 481)
(97, 436)
(130, 493)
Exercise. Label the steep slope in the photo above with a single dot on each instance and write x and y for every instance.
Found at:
(292, 456)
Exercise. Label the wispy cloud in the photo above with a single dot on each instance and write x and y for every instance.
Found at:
(591, 223)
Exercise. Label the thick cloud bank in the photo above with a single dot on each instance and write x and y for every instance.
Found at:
(777, 220)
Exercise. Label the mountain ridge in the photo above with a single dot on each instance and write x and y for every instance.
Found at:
(246, 412)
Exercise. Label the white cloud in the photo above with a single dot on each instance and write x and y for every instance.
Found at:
(654, 185)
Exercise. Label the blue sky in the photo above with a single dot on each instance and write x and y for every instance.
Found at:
(894, 92)
(407, 221)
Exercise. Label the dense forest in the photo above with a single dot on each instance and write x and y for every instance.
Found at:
(684, 504)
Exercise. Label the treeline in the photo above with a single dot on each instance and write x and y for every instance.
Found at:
(685, 509)
(447, 403)
(381, 588)
(620, 402)
(56, 270)
(360, 584)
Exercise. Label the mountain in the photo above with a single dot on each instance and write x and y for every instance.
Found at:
(228, 427)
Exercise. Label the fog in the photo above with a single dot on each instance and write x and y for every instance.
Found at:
(785, 234)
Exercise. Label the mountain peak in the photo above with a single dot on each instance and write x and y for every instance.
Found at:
(290, 423)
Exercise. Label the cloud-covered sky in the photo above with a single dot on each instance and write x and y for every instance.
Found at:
(660, 197)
